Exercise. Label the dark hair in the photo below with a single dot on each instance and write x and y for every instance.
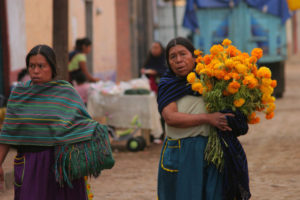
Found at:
(22, 74)
(47, 52)
(80, 78)
(161, 46)
(179, 41)
(150, 56)
(78, 45)
(82, 42)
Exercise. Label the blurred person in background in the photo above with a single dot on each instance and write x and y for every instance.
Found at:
(155, 65)
(78, 61)
(82, 86)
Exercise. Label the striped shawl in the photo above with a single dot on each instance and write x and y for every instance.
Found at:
(53, 114)
(46, 115)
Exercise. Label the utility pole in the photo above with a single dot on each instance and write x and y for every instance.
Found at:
(60, 37)
(175, 18)
(89, 31)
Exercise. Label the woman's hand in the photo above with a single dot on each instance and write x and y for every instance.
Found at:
(219, 120)
(149, 72)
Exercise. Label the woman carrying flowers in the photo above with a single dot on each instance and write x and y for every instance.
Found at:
(230, 82)
(183, 171)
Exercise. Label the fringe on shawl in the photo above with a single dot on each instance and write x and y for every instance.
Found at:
(87, 158)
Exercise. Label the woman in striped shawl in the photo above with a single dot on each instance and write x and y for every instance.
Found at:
(183, 171)
(44, 119)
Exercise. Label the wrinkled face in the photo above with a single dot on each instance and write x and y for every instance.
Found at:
(39, 69)
(181, 60)
(156, 49)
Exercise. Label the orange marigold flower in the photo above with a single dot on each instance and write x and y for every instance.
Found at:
(243, 56)
(252, 119)
(274, 84)
(199, 67)
(256, 120)
(267, 98)
(254, 70)
(215, 49)
(271, 107)
(227, 77)
(90, 196)
(197, 86)
(252, 59)
(207, 59)
(219, 74)
(88, 186)
(252, 115)
(226, 42)
(191, 77)
(257, 52)
(197, 52)
(225, 93)
(208, 85)
(199, 59)
(270, 115)
(266, 81)
(232, 51)
(250, 82)
(229, 63)
(233, 87)
(240, 68)
(268, 90)
(264, 72)
(235, 76)
(239, 102)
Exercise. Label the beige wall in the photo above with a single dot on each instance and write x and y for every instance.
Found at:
(38, 14)
(76, 21)
(104, 42)
(16, 34)
(38, 23)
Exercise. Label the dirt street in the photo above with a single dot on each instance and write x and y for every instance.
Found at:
(272, 148)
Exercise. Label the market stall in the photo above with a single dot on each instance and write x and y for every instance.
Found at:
(119, 109)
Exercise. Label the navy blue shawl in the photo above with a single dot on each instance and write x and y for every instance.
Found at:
(172, 88)
(236, 178)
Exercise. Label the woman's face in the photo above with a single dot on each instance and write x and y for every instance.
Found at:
(156, 49)
(86, 49)
(39, 69)
(181, 60)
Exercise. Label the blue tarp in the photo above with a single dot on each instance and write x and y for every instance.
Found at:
(274, 7)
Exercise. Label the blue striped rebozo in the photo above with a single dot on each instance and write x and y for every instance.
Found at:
(236, 178)
(46, 115)
(172, 88)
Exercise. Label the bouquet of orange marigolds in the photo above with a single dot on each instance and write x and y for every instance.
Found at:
(230, 79)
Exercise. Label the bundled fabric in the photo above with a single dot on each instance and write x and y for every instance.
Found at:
(172, 88)
(73, 161)
(53, 114)
(236, 178)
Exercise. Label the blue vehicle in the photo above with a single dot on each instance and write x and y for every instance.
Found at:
(247, 27)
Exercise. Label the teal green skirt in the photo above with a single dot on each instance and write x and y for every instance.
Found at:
(183, 173)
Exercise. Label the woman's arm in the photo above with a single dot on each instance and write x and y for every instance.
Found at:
(3, 152)
(85, 71)
(183, 120)
(148, 71)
